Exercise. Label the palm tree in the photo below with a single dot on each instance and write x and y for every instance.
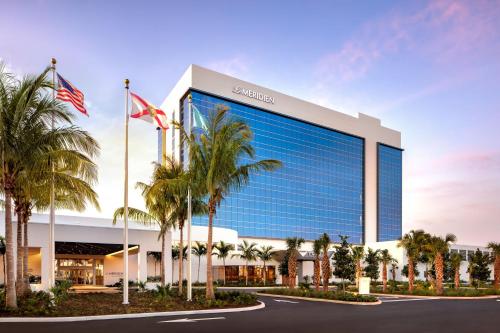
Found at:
(199, 250)
(222, 252)
(175, 256)
(358, 253)
(394, 267)
(29, 145)
(248, 252)
(293, 245)
(2, 253)
(217, 166)
(317, 264)
(325, 260)
(437, 247)
(156, 258)
(175, 182)
(495, 248)
(456, 261)
(412, 242)
(385, 259)
(158, 211)
(265, 253)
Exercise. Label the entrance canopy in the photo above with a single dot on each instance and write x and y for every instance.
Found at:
(95, 249)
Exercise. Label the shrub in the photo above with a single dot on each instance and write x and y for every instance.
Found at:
(60, 291)
(163, 292)
(341, 296)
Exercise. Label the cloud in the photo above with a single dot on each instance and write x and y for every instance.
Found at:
(237, 66)
(440, 31)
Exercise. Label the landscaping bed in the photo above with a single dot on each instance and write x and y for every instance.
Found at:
(447, 292)
(40, 303)
(329, 295)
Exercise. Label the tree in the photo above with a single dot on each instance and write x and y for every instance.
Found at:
(412, 242)
(222, 252)
(158, 211)
(345, 266)
(456, 261)
(495, 256)
(358, 254)
(293, 245)
(175, 181)
(325, 260)
(31, 146)
(437, 247)
(199, 250)
(478, 268)
(218, 165)
(248, 252)
(317, 264)
(175, 256)
(2, 253)
(386, 259)
(265, 253)
(372, 260)
(405, 271)
(394, 268)
(156, 258)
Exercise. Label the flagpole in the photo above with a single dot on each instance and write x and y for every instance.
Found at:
(125, 204)
(52, 215)
(189, 277)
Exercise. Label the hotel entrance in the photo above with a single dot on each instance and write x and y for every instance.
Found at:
(89, 271)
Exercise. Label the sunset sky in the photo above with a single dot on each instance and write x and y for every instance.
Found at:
(428, 69)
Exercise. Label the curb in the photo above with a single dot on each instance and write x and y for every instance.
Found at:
(472, 298)
(378, 302)
(127, 315)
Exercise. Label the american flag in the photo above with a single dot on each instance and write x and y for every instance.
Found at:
(68, 93)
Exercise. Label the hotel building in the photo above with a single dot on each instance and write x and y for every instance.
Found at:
(341, 175)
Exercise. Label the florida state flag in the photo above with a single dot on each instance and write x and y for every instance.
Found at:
(142, 109)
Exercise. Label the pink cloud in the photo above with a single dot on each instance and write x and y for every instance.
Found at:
(441, 31)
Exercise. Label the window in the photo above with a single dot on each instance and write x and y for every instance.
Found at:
(389, 201)
(319, 188)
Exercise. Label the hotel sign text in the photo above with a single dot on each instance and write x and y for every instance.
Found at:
(253, 94)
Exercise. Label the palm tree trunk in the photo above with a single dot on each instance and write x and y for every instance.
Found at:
(317, 273)
(265, 273)
(358, 273)
(199, 264)
(26, 285)
(246, 273)
(10, 295)
(181, 256)
(496, 284)
(224, 264)
(457, 277)
(384, 277)
(4, 272)
(411, 274)
(163, 261)
(292, 270)
(19, 263)
(210, 295)
(325, 266)
(438, 263)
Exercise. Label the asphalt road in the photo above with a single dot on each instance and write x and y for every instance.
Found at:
(393, 315)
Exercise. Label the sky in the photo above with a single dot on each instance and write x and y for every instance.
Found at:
(429, 69)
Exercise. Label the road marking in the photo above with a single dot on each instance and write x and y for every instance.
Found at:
(190, 320)
(409, 300)
(285, 301)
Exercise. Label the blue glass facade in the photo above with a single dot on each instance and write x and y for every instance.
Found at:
(320, 187)
(389, 193)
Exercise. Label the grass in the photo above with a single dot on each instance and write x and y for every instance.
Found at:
(40, 304)
(332, 295)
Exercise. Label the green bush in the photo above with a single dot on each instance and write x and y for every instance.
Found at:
(340, 296)
(163, 292)
(60, 290)
(35, 304)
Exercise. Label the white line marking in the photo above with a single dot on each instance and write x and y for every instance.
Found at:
(285, 301)
(190, 320)
(409, 300)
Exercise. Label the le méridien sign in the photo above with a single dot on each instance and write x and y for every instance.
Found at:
(253, 94)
